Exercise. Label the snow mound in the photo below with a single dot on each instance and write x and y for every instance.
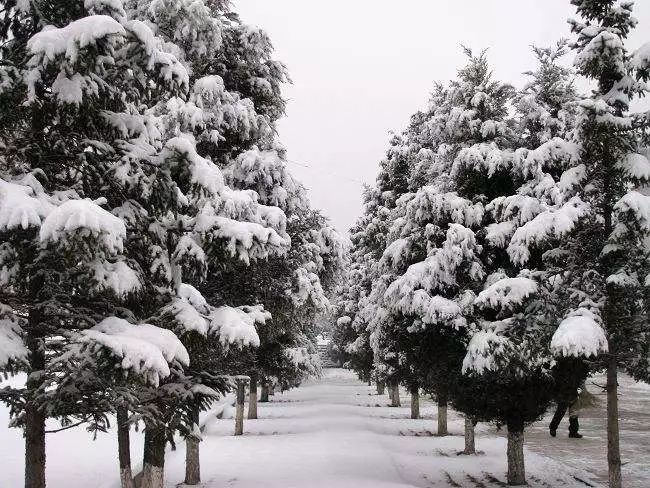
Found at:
(86, 217)
(143, 349)
(579, 335)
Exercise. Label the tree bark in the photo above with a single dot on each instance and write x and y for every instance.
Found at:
(153, 469)
(613, 441)
(34, 418)
(395, 400)
(470, 443)
(516, 467)
(239, 412)
(380, 387)
(252, 397)
(192, 453)
(442, 416)
(264, 397)
(124, 447)
(415, 402)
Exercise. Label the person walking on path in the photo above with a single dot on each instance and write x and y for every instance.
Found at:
(581, 399)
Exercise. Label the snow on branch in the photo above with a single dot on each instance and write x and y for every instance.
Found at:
(79, 34)
(142, 349)
(21, 206)
(579, 335)
(636, 166)
(548, 224)
(118, 277)
(12, 347)
(237, 325)
(636, 204)
(84, 217)
(482, 351)
(203, 172)
(506, 293)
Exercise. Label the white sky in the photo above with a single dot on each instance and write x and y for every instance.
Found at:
(360, 68)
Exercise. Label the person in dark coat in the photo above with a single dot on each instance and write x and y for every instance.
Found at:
(560, 411)
(571, 394)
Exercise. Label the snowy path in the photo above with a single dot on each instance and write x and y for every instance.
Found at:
(337, 433)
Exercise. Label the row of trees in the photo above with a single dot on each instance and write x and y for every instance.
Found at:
(153, 245)
(502, 254)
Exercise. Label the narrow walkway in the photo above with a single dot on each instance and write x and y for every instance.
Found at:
(337, 433)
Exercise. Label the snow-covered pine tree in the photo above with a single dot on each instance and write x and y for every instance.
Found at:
(89, 135)
(515, 321)
(433, 250)
(600, 227)
(296, 286)
(613, 271)
(219, 121)
(72, 113)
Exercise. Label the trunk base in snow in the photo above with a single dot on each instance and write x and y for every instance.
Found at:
(152, 476)
(613, 439)
(239, 407)
(470, 439)
(415, 403)
(516, 467)
(442, 418)
(192, 462)
(394, 396)
(252, 397)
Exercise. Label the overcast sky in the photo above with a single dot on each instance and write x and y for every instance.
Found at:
(360, 68)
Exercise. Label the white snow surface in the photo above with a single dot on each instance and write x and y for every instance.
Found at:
(579, 335)
(329, 433)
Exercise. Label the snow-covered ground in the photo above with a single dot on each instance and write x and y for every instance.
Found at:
(337, 433)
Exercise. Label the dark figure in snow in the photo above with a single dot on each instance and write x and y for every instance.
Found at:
(574, 424)
(569, 375)
(581, 399)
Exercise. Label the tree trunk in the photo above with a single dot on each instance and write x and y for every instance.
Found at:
(380, 387)
(415, 402)
(395, 401)
(271, 389)
(124, 447)
(153, 469)
(34, 418)
(613, 447)
(192, 453)
(264, 397)
(252, 397)
(470, 444)
(516, 467)
(239, 412)
(442, 416)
